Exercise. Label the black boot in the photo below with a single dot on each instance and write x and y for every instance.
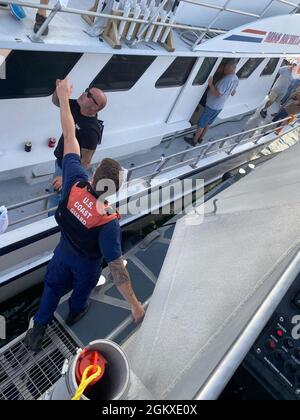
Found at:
(34, 337)
(72, 319)
(39, 20)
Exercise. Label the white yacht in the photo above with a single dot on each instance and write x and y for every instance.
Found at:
(155, 76)
(153, 59)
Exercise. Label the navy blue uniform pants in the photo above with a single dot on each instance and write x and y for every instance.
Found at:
(67, 270)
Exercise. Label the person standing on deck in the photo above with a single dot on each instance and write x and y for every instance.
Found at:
(286, 76)
(88, 133)
(294, 87)
(291, 107)
(90, 233)
(40, 18)
(217, 96)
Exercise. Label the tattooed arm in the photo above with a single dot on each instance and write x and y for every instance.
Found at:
(122, 281)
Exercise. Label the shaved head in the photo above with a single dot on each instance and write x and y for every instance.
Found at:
(92, 101)
(100, 97)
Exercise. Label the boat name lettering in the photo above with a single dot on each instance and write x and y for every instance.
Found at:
(280, 38)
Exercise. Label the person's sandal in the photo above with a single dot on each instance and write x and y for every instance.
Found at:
(263, 113)
(190, 141)
(39, 20)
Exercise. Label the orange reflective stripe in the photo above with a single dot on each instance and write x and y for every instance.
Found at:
(83, 205)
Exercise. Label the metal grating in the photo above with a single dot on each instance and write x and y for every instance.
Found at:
(27, 376)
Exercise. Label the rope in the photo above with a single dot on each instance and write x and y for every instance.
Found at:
(86, 381)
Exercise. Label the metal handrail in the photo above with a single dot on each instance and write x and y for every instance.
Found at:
(192, 162)
(224, 139)
(208, 145)
(225, 8)
(204, 149)
(32, 201)
(33, 216)
(241, 12)
(58, 8)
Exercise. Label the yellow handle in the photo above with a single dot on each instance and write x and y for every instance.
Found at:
(86, 381)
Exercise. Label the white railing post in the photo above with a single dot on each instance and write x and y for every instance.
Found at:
(202, 36)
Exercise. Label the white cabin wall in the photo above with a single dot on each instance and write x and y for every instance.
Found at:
(143, 105)
(134, 119)
(37, 119)
(190, 95)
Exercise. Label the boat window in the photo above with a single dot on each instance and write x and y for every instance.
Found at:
(177, 73)
(205, 70)
(270, 67)
(122, 72)
(249, 67)
(30, 74)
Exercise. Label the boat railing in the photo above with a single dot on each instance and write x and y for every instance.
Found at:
(204, 31)
(59, 8)
(205, 149)
(227, 9)
(226, 144)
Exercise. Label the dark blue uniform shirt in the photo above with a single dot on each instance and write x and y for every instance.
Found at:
(110, 234)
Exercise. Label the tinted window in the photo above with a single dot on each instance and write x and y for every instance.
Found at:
(249, 67)
(29, 74)
(177, 73)
(122, 72)
(205, 70)
(270, 67)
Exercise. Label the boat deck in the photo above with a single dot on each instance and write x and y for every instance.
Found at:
(18, 190)
(69, 32)
(109, 317)
(109, 310)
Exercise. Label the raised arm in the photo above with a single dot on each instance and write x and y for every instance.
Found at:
(64, 91)
(212, 87)
(55, 99)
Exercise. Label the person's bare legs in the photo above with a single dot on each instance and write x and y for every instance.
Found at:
(43, 12)
(204, 132)
(200, 133)
(40, 18)
(271, 100)
(268, 104)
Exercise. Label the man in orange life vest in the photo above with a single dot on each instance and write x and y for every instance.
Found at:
(90, 232)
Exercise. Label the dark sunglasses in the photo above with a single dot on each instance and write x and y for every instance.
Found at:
(90, 96)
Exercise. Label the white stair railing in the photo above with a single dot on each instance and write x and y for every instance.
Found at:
(59, 8)
(227, 9)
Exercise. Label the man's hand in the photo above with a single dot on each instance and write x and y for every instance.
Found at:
(138, 312)
(63, 89)
(57, 183)
(210, 81)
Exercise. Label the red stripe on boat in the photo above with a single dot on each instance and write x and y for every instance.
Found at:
(253, 31)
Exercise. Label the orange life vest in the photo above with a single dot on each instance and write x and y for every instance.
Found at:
(81, 215)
